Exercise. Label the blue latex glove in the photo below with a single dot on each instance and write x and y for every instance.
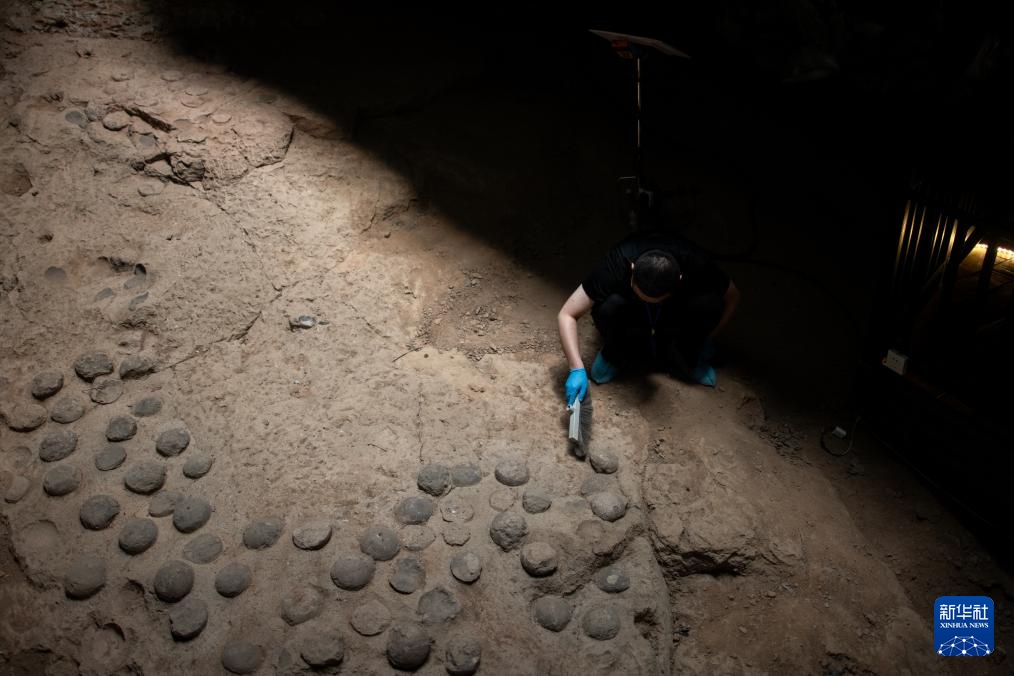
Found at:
(703, 373)
(602, 371)
(577, 385)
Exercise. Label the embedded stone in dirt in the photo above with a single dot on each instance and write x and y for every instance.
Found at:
(438, 606)
(502, 499)
(321, 652)
(137, 535)
(241, 657)
(417, 538)
(221, 118)
(603, 462)
(466, 474)
(312, 535)
(147, 407)
(76, 117)
(173, 440)
(262, 534)
(163, 503)
(98, 512)
(352, 570)
(204, 548)
(106, 390)
(434, 479)
(301, 604)
(463, 655)
(608, 506)
(172, 75)
(191, 513)
(414, 510)
(136, 365)
(511, 472)
(538, 559)
(85, 577)
(197, 466)
(408, 575)
(55, 275)
(408, 646)
(61, 480)
(91, 365)
(17, 489)
(67, 409)
(456, 534)
(26, 417)
(370, 618)
(601, 623)
(552, 613)
(46, 384)
(508, 530)
(173, 581)
(116, 120)
(110, 457)
(145, 477)
(380, 542)
(455, 510)
(597, 483)
(536, 500)
(612, 579)
(188, 619)
(104, 293)
(233, 580)
(121, 428)
(466, 567)
(57, 445)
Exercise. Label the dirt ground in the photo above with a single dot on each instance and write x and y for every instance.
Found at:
(157, 204)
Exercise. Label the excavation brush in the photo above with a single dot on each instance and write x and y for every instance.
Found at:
(579, 428)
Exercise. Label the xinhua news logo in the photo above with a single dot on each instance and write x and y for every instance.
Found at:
(963, 626)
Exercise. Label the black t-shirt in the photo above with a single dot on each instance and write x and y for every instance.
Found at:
(701, 275)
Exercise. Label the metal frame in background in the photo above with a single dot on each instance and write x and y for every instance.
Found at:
(635, 48)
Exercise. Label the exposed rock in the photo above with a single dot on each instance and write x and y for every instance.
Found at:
(601, 623)
(438, 605)
(608, 506)
(240, 657)
(697, 525)
(463, 655)
(417, 538)
(380, 542)
(301, 604)
(370, 618)
(352, 570)
(536, 500)
(552, 612)
(538, 559)
(85, 577)
(46, 384)
(106, 390)
(603, 462)
(26, 417)
(136, 366)
(434, 479)
(512, 472)
(233, 580)
(67, 409)
(57, 445)
(466, 474)
(414, 510)
(188, 619)
(137, 535)
(173, 581)
(508, 530)
(91, 365)
(408, 646)
(312, 536)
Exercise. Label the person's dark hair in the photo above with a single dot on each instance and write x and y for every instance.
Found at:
(656, 273)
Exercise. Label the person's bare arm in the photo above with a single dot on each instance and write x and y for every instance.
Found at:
(576, 306)
(731, 300)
